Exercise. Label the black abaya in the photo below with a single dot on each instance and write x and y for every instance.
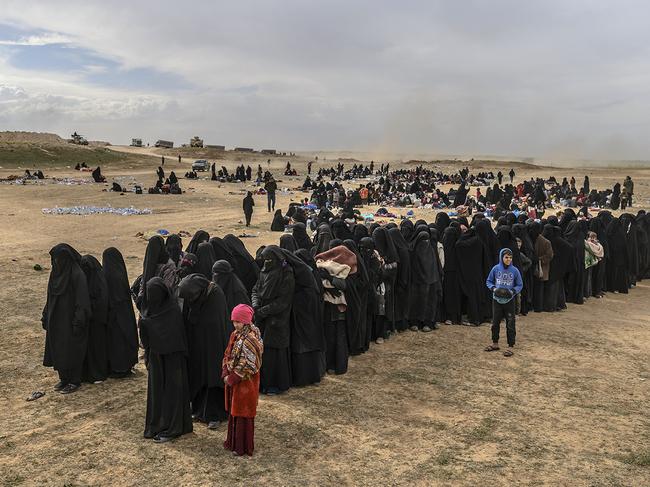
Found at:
(122, 329)
(206, 328)
(96, 362)
(164, 340)
(66, 315)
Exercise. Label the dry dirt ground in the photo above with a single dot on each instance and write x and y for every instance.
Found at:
(571, 407)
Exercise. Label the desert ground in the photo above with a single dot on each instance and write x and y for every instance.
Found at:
(571, 407)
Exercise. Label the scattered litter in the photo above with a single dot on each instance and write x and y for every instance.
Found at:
(94, 210)
(37, 267)
(163, 232)
(35, 395)
(247, 235)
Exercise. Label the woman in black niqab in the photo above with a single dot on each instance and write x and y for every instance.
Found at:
(65, 317)
(323, 237)
(473, 270)
(574, 281)
(300, 235)
(122, 330)
(423, 275)
(388, 252)
(272, 299)
(617, 264)
(244, 265)
(165, 343)
(599, 271)
(356, 296)
(452, 293)
(563, 263)
(206, 325)
(95, 369)
(279, 222)
(403, 281)
(307, 335)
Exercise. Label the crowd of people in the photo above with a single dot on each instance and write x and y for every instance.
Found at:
(219, 325)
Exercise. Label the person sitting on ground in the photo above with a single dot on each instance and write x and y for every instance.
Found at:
(505, 283)
(97, 175)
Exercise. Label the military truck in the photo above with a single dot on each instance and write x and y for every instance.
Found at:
(167, 144)
(77, 139)
(136, 142)
(196, 141)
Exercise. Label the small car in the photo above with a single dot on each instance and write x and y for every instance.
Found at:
(200, 165)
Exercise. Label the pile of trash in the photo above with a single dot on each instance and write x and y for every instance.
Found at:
(95, 210)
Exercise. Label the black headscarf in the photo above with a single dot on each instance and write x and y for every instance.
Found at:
(272, 273)
(230, 284)
(288, 242)
(423, 259)
(174, 246)
(199, 237)
(385, 245)
(340, 230)
(155, 255)
(244, 265)
(63, 258)
(323, 237)
(442, 222)
(206, 259)
(300, 234)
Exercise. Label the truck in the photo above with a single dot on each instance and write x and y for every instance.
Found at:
(243, 149)
(167, 144)
(77, 139)
(196, 141)
(136, 142)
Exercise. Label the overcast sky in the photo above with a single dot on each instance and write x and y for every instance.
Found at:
(528, 78)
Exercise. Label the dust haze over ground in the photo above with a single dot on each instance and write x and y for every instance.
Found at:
(571, 407)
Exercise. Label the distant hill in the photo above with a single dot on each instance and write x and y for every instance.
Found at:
(36, 149)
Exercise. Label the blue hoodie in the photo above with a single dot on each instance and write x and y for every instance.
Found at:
(504, 277)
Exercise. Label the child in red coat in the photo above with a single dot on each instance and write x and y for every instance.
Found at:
(241, 365)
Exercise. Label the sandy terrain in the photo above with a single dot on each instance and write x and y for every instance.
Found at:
(571, 408)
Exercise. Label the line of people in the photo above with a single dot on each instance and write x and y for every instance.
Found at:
(316, 301)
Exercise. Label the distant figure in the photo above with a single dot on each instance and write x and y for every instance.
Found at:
(499, 177)
(309, 168)
(248, 207)
(179, 158)
(271, 186)
(512, 175)
(163, 160)
(97, 175)
(160, 173)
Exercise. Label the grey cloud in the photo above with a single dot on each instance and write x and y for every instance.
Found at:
(540, 78)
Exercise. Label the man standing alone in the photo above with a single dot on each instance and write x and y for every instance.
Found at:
(271, 186)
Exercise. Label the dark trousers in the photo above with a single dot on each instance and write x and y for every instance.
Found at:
(507, 311)
(270, 199)
(248, 219)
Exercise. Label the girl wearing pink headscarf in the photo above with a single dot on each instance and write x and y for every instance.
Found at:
(241, 365)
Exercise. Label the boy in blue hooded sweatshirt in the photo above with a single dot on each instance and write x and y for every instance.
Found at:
(505, 283)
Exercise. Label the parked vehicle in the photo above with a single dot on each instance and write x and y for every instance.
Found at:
(168, 144)
(200, 165)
